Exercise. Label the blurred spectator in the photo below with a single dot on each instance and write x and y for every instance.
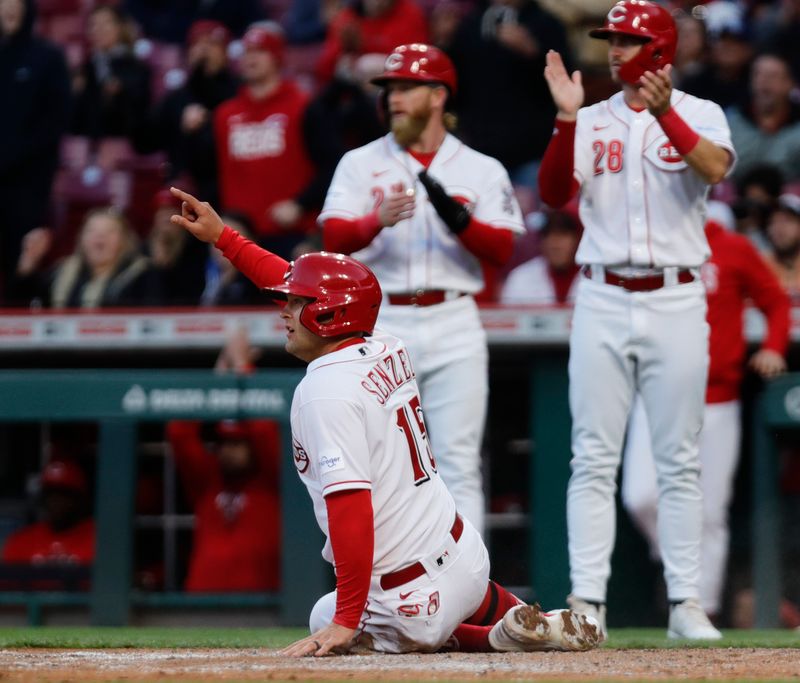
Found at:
(552, 277)
(783, 232)
(267, 165)
(233, 490)
(757, 194)
(499, 53)
(306, 21)
(578, 17)
(369, 26)
(106, 268)
(443, 23)
(182, 121)
(724, 79)
(784, 36)
(691, 55)
(112, 87)
(170, 21)
(767, 129)
(66, 534)
(235, 494)
(178, 261)
(225, 285)
(35, 86)
(344, 114)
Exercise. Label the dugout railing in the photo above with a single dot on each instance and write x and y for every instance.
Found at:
(119, 400)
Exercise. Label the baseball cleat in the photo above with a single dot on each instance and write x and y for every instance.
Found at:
(688, 620)
(591, 609)
(525, 628)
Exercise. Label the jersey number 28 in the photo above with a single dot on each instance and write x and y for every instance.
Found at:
(607, 157)
(411, 423)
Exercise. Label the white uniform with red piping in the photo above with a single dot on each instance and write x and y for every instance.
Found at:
(643, 211)
(357, 423)
(446, 339)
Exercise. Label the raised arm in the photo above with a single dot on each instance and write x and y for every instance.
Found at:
(708, 160)
(262, 267)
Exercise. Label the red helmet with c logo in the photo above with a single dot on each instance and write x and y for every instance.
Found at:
(345, 293)
(418, 62)
(642, 19)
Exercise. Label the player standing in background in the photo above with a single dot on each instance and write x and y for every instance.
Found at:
(643, 161)
(734, 274)
(411, 573)
(422, 210)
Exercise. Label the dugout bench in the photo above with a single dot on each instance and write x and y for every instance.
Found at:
(118, 400)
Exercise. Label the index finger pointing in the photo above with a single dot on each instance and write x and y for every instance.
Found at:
(185, 196)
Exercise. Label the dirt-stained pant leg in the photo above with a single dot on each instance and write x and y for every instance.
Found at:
(421, 615)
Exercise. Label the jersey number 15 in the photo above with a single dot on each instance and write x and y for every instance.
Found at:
(411, 423)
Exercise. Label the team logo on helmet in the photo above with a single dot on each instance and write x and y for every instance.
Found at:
(393, 62)
(617, 14)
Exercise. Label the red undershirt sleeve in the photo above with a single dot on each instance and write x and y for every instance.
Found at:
(262, 267)
(493, 245)
(344, 236)
(557, 184)
(352, 536)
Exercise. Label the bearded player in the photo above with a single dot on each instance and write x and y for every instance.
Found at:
(411, 573)
(422, 210)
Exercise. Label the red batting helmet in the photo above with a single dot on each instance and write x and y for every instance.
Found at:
(645, 20)
(418, 62)
(345, 294)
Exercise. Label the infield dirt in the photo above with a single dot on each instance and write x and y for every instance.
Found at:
(27, 665)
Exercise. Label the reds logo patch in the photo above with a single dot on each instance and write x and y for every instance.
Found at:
(301, 460)
(669, 154)
(409, 610)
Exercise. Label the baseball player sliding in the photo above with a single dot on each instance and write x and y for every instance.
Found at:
(411, 573)
(421, 209)
(643, 162)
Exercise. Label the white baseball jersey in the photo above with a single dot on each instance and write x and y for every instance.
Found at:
(421, 252)
(357, 424)
(530, 283)
(647, 211)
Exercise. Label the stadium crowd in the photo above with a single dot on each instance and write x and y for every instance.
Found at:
(116, 101)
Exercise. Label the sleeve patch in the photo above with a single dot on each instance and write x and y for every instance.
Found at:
(330, 461)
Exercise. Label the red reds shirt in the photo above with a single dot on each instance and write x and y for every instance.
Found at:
(262, 154)
(735, 273)
(40, 544)
(236, 543)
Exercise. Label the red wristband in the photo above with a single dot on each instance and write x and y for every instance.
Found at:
(680, 134)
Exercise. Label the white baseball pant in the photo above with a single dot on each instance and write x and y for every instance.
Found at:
(421, 615)
(719, 444)
(448, 350)
(654, 343)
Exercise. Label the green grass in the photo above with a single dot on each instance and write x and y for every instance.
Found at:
(80, 637)
(278, 637)
(639, 638)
